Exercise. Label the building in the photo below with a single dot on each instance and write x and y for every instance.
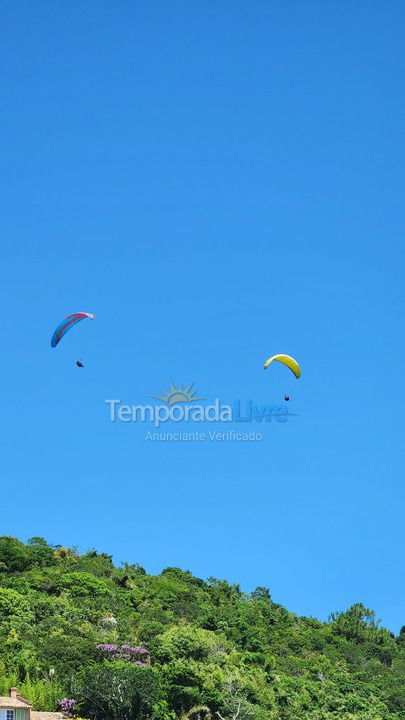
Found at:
(15, 707)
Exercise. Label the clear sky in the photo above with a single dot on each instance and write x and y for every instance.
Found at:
(218, 182)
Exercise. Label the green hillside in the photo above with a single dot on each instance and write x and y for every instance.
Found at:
(124, 644)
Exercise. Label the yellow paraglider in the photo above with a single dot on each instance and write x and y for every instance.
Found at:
(286, 360)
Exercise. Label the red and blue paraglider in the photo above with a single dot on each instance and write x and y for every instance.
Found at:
(66, 325)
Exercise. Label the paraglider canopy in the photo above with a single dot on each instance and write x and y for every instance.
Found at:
(286, 360)
(67, 324)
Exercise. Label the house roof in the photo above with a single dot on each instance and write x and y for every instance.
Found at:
(12, 703)
(39, 715)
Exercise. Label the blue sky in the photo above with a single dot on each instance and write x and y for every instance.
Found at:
(218, 182)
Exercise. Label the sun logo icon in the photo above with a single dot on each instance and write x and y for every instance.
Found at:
(178, 395)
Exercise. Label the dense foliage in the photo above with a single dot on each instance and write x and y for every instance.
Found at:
(117, 643)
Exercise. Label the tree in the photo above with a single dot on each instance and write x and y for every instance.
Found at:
(117, 691)
(13, 554)
(357, 623)
(83, 584)
(236, 705)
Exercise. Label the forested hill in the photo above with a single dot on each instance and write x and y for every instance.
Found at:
(119, 644)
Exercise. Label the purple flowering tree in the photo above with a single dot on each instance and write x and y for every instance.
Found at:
(134, 654)
(67, 705)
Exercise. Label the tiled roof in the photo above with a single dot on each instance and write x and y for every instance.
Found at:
(17, 702)
(39, 715)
